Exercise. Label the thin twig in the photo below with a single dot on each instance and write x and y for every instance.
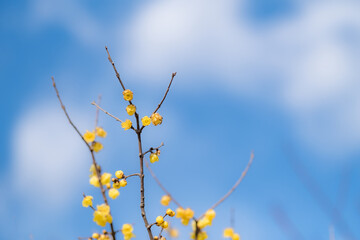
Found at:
(243, 174)
(167, 90)
(162, 186)
(98, 173)
(97, 112)
(132, 175)
(153, 149)
(106, 112)
(116, 72)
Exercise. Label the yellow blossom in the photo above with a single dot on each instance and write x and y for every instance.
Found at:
(116, 185)
(170, 212)
(104, 237)
(201, 235)
(236, 236)
(128, 95)
(119, 174)
(113, 193)
(87, 201)
(108, 185)
(185, 221)
(102, 215)
(89, 136)
(165, 200)
(174, 233)
(203, 223)
(156, 119)
(123, 183)
(154, 157)
(126, 125)
(127, 230)
(180, 212)
(159, 220)
(100, 132)
(189, 213)
(92, 170)
(228, 232)
(96, 146)
(95, 235)
(105, 178)
(146, 121)
(165, 225)
(131, 109)
(94, 180)
(210, 214)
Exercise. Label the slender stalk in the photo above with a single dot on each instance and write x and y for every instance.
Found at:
(98, 171)
(142, 180)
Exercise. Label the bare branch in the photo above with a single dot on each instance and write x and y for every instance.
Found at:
(161, 186)
(106, 112)
(243, 174)
(167, 90)
(98, 173)
(153, 149)
(116, 72)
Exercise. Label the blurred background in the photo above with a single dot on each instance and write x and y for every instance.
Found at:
(280, 77)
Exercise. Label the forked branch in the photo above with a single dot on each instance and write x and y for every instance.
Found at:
(167, 90)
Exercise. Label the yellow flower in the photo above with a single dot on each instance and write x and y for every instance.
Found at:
(87, 201)
(165, 200)
(127, 230)
(174, 233)
(94, 180)
(203, 223)
(154, 157)
(116, 185)
(100, 132)
(165, 225)
(104, 237)
(210, 214)
(123, 183)
(180, 212)
(159, 220)
(96, 146)
(128, 95)
(189, 213)
(170, 212)
(105, 178)
(156, 119)
(185, 221)
(102, 215)
(201, 235)
(236, 236)
(119, 174)
(89, 136)
(92, 170)
(146, 121)
(131, 109)
(228, 232)
(95, 235)
(113, 193)
(126, 125)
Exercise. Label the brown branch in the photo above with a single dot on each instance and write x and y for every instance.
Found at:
(106, 112)
(98, 173)
(243, 174)
(142, 184)
(132, 175)
(152, 149)
(162, 186)
(167, 90)
(116, 72)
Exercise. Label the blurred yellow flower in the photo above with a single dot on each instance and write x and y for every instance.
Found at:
(89, 136)
(87, 201)
(100, 132)
(126, 125)
(96, 146)
(113, 193)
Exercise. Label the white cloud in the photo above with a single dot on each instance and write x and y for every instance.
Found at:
(311, 55)
(72, 15)
(48, 158)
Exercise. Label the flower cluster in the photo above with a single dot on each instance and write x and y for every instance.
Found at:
(103, 236)
(207, 219)
(185, 215)
(229, 233)
(102, 215)
(89, 137)
(127, 231)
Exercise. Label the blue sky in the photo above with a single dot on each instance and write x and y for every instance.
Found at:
(278, 77)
